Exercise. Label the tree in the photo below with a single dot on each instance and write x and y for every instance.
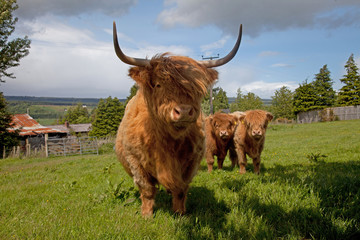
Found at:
(220, 101)
(246, 102)
(304, 98)
(108, 116)
(7, 139)
(10, 51)
(323, 87)
(349, 94)
(281, 104)
(76, 114)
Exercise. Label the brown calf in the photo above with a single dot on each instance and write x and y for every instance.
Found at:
(249, 138)
(219, 132)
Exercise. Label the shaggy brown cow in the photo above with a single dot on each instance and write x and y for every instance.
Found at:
(219, 132)
(249, 138)
(161, 137)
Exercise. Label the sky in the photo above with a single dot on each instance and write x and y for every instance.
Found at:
(284, 43)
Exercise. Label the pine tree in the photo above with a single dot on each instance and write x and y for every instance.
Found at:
(323, 87)
(304, 98)
(7, 139)
(220, 101)
(349, 94)
(108, 116)
(10, 51)
(281, 104)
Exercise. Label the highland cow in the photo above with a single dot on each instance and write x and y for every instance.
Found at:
(219, 132)
(249, 138)
(161, 137)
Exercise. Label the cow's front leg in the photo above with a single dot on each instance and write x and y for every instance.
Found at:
(178, 201)
(220, 162)
(242, 160)
(210, 161)
(256, 163)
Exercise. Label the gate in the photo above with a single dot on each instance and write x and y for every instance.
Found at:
(71, 146)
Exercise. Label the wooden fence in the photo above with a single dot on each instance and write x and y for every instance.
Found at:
(330, 114)
(71, 146)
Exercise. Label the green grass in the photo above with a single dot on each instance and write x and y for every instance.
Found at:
(299, 194)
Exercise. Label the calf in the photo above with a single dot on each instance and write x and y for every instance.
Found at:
(249, 138)
(219, 132)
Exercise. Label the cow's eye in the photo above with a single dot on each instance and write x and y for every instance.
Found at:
(158, 85)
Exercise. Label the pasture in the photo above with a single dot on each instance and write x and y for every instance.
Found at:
(309, 188)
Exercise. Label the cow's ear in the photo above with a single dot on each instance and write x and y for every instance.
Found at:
(242, 119)
(269, 116)
(140, 74)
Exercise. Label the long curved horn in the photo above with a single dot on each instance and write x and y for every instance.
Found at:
(126, 59)
(227, 58)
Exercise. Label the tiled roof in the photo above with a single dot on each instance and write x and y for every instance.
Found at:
(29, 127)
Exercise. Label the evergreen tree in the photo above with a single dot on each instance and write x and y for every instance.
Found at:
(235, 105)
(323, 87)
(281, 104)
(220, 101)
(250, 101)
(304, 98)
(7, 139)
(108, 116)
(10, 51)
(349, 94)
(76, 114)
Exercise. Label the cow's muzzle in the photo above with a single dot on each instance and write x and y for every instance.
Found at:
(182, 113)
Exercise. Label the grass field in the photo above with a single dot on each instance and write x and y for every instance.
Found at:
(309, 188)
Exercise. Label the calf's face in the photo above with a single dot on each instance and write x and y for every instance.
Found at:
(223, 125)
(173, 87)
(256, 122)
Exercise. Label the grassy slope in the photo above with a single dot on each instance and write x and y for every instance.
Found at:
(91, 197)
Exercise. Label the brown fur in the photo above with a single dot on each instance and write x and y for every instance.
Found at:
(151, 144)
(249, 138)
(219, 132)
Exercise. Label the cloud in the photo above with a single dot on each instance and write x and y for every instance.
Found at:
(65, 61)
(282, 65)
(37, 8)
(268, 53)
(261, 15)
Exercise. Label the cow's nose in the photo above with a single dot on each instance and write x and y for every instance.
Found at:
(223, 133)
(182, 112)
(256, 132)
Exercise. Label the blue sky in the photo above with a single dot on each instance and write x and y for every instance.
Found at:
(284, 42)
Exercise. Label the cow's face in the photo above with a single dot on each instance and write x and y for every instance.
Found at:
(223, 125)
(256, 122)
(173, 88)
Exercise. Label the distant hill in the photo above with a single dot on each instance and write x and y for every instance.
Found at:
(265, 101)
(54, 100)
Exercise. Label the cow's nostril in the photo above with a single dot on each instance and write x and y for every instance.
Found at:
(191, 112)
(177, 112)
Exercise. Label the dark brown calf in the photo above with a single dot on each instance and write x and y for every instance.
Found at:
(219, 132)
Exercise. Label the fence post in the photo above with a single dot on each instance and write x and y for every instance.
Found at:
(46, 145)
